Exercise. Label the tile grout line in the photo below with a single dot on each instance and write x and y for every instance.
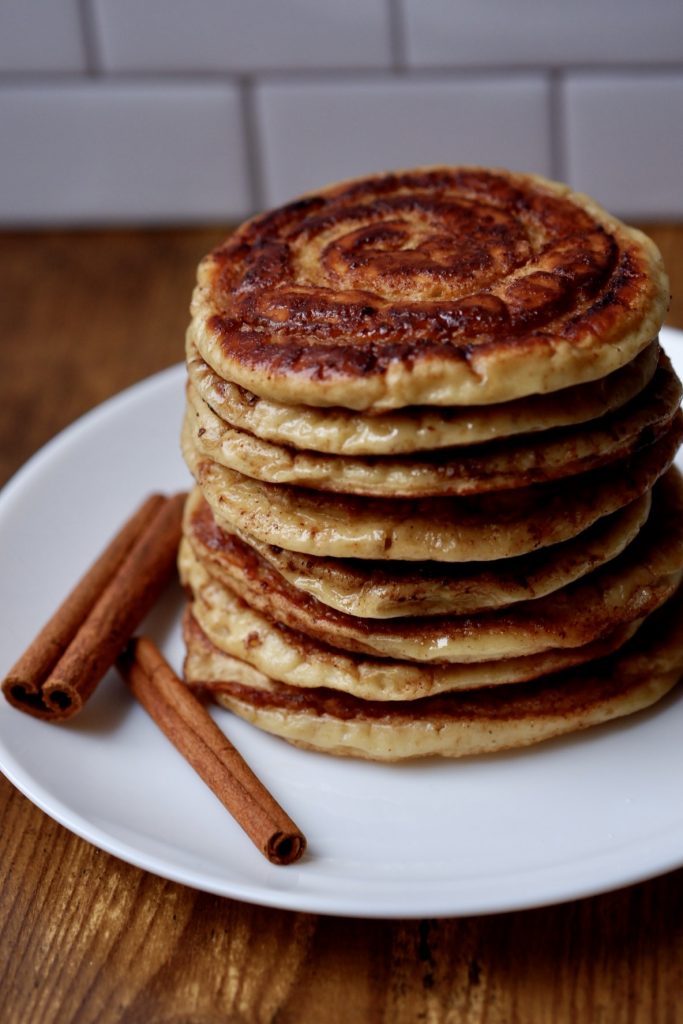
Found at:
(252, 146)
(90, 36)
(397, 35)
(557, 126)
(315, 75)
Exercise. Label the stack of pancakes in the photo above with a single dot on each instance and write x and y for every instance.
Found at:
(432, 432)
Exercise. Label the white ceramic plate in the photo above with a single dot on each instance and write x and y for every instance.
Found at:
(567, 819)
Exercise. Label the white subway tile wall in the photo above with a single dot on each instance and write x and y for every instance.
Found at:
(541, 32)
(122, 152)
(498, 121)
(41, 36)
(625, 140)
(242, 36)
(176, 111)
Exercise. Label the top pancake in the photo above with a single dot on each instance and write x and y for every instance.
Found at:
(447, 286)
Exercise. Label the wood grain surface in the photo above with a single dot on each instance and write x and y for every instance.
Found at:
(86, 938)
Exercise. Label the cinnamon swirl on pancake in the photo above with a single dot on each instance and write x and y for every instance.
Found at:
(431, 430)
(442, 286)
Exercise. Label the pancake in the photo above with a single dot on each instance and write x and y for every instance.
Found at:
(628, 588)
(456, 724)
(431, 429)
(496, 466)
(442, 286)
(337, 431)
(228, 628)
(393, 590)
(479, 528)
(381, 590)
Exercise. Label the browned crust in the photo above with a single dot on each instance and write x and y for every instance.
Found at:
(643, 577)
(507, 464)
(482, 527)
(656, 647)
(446, 266)
(408, 431)
(467, 587)
(207, 665)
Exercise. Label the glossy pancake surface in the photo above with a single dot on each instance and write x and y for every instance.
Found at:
(478, 528)
(443, 286)
(456, 724)
(627, 588)
(338, 431)
(228, 627)
(386, 590)
(502, 465)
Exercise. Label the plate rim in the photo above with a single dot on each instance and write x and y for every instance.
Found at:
(308, 901)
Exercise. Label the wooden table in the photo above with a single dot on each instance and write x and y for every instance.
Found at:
(86, 938)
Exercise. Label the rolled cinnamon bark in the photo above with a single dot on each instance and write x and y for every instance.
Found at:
(61, 668)
(189, 726)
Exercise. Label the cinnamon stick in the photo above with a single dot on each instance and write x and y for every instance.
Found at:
(61, 668)
(188, 725)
